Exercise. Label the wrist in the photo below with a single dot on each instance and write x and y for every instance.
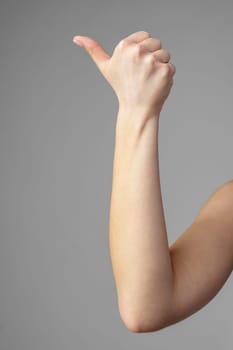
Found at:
(134, 120)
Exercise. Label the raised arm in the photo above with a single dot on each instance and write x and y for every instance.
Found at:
(159, 285)
(156, 285)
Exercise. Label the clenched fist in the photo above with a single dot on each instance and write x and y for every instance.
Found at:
(138, 71)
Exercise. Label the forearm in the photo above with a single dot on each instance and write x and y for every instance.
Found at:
(137, 231)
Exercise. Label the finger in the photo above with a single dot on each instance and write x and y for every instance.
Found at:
(95, 50)
(138, 36)
(151, 44)
(162, 55)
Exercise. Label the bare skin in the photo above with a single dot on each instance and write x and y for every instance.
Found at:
(156, 285)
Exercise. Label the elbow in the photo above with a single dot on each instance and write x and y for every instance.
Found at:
(148, 323)
(131, 324)
(138, 326)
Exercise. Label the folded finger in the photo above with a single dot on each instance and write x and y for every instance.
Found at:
(137, 36)
(162, 55)
(151, 44)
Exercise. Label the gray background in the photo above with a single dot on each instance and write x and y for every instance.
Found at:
(58, 117)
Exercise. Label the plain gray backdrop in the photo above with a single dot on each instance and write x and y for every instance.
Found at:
(58, 117)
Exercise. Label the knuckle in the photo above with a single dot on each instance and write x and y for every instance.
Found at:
(150, 60)
(140, 47)
(136, 50)
(123, 43)
(165, 71)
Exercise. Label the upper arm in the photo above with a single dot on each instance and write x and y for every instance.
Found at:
(202, 257)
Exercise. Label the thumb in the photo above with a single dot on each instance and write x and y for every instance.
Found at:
(97, 53)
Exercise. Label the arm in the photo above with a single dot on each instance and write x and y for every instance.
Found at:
(138, 239)
(141, 75)
(159, 285)
(156, 285)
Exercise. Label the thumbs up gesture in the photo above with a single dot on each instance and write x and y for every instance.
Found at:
(138, 71)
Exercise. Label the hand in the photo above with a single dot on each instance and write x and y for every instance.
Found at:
(138, 71)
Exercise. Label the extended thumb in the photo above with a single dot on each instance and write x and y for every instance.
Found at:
(97, 53)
